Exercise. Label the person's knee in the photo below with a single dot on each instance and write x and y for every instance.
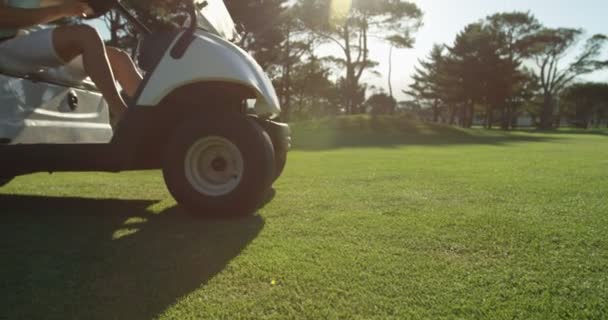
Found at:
(79, 35)
(118, 53)
(71, 41)
(85, 32)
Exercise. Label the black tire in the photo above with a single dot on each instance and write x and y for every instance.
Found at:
(204, 149)
(280, 159)
(5, 181)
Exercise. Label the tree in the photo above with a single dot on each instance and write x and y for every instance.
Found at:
(585, 104)
(313, 93)
(159, 14)
(522, 99)
(296, 46)
(476, 73)
(381, 103)
(427, 88)
(515, 32)
(262, 31)
(551, 46)
(122, 34)
(349, 24)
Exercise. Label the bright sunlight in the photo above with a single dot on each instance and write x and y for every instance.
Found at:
(339, 10)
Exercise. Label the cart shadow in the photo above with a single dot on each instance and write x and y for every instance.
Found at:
(108, 259)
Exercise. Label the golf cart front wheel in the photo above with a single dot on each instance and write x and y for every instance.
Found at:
(280, 161)
(222, 165)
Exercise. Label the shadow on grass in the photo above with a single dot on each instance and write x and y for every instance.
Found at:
(385, 131)
(73, 258)
(566, 131)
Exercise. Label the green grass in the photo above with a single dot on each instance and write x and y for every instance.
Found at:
(379, 219)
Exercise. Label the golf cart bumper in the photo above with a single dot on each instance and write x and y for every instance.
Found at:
(279, 133)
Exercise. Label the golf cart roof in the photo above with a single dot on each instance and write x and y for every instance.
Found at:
(215, 18)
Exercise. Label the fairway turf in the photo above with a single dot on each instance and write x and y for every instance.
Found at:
(372, 219)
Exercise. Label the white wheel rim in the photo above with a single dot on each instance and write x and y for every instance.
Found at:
(214, 166)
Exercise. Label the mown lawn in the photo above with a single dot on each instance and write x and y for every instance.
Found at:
(373, 219)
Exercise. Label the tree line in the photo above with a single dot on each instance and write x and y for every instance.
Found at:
(506, 66)
(497, 69)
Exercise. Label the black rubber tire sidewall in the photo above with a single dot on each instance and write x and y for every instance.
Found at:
(280, 162)
(258, 161)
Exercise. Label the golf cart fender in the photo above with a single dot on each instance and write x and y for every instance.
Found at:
(210, 59)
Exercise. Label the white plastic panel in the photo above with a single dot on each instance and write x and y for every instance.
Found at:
(211, 58)
(39, 112)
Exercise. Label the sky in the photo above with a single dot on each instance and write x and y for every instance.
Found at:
(443, 19)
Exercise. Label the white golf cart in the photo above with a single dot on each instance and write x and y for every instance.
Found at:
(191, 118)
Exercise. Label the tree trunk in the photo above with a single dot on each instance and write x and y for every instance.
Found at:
(287, 79)
(469, 114)
(350, 73)
(489, 117)
(513, 120)
(390, 72)
(463, 116)
(301, 105)
(471, 117)
(546, 114)
(435, 111)
(287, 105)
(452, 115)
(505, 121)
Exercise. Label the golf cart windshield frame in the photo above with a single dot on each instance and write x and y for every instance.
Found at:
(197, 18)
(145, 29)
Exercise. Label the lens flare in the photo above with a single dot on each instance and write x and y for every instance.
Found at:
(339, 10)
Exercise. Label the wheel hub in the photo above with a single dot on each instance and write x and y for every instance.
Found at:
(214, 166)
(219, 164)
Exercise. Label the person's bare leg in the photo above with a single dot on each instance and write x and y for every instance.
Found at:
(71, 41)
(124, 70)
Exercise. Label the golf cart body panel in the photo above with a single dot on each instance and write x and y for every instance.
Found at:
(209, 58)
(34, 112)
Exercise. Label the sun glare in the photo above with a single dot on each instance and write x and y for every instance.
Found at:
(339, 10)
